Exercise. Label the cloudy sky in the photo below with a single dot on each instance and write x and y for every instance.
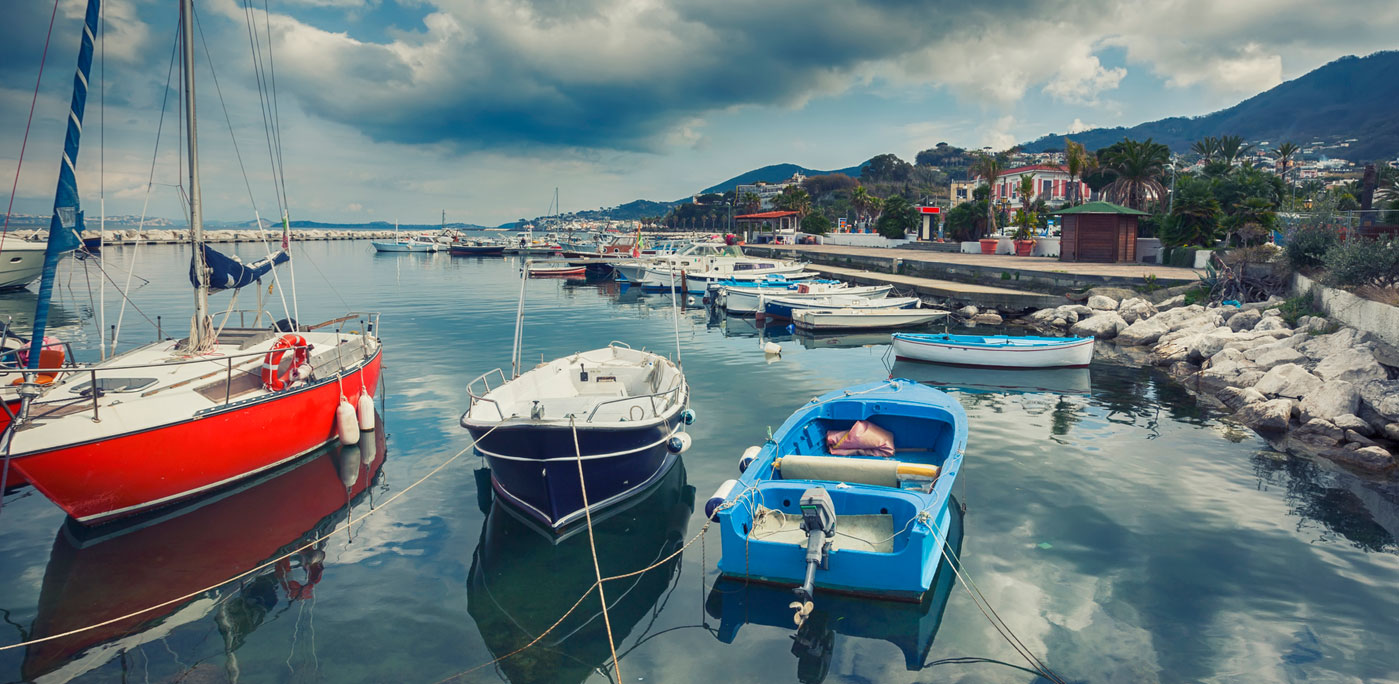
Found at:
(398, 109)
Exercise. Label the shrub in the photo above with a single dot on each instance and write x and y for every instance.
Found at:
(1306, 247)
(816, 223)
(1358, 262)
(1294, 308)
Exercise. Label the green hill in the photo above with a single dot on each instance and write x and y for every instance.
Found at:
(1352, 97)
(775, 173)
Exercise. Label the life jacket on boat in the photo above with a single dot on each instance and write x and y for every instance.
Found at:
(275, 377)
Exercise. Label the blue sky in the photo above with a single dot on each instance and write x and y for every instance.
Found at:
(397, 109)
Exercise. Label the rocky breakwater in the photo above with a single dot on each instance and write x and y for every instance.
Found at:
(1316, 388)
(273, 236)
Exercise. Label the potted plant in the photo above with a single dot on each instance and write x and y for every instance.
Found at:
(988, 245)
(1024, 237)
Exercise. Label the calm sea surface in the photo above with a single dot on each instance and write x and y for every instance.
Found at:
(1123, 532)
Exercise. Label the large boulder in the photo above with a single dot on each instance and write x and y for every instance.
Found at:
(988, 318)
(1044, 315)
(1382, 396)
(968, 311)
(1322, 346)
(1215, 380)
(1350, 421)
(1370, 458)
(1244, 320)
(1266, 416)
(1101, 303)
(1170, 303)
(1238, 397)
(1356, 364)
(1102, 326)
(1288, 380)
(1210, 343)
(1319, 432)
(1144, 331)
(1330, 400)
(1271, 323)
(1273, 355)
(1134, 310)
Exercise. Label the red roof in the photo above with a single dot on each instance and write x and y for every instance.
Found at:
(767, 215)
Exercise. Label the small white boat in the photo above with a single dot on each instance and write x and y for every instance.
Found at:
(749, 300)
(863, 319)
(21, 262)
(995, 351)
(425, 244)
(783, 307)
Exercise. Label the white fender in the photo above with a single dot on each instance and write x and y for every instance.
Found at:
(749, 455)
(711, 507)
(772, 348)
(366, 412)
(347, 426)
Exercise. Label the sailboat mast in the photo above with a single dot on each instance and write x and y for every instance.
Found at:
(200, 332)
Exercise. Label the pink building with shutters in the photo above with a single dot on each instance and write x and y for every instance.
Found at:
(1051, 183)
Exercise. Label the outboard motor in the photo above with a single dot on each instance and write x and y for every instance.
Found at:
(819, 523)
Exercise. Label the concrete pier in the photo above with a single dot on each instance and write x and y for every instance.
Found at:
(981, 296)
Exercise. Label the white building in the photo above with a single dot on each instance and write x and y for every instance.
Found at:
(767, 191)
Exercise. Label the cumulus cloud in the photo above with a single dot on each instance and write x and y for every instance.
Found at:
(1081, 78)
(1078, 126)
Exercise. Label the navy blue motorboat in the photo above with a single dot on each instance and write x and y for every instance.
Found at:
(624, 407)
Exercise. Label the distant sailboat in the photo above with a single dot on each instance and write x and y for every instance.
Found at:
(180, 417)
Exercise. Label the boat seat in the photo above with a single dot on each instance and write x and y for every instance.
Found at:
(879, 472)
(48, 358)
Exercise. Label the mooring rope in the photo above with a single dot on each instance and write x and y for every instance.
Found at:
(592, 545)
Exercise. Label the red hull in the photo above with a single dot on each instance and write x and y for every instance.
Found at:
(129, 473)
(87, 583)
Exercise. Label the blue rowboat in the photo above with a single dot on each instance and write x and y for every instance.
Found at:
(995, 351)
(870, 526)
(912, 627)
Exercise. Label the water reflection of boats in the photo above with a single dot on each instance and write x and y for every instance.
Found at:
(911, 627)
(740, 326)
(17, 312)
(841, 340)
(1026, 380)
(99, 574)
(522, 580)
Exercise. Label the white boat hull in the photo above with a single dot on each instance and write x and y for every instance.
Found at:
(20, 263)
(1075, 355)
(856, 319)
(741, 300)
(421, 247)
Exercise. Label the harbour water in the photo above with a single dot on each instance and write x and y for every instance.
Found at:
(1122, 531)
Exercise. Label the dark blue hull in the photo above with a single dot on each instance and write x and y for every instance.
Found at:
(535, 468)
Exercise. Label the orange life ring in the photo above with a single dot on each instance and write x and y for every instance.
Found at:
(274, 377)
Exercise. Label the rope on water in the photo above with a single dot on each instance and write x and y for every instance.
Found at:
(592, 545)
(259, 568)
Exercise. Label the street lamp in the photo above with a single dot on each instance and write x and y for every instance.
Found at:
(1171, 201)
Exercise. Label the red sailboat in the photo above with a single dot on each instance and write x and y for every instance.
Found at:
(179, 418)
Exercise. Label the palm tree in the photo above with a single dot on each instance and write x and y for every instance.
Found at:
(1231, 147)
(1206, 147)
(1076, 158)
(1285, 153)
(1027, 201)
(751, 202)
(793, 198)
(1136, 167)
(864, 204)
(989, 167)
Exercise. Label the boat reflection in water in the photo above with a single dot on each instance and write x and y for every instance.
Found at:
(98, 574)
(522, 580)
(842, 340)
(998, 380)
(909, 626)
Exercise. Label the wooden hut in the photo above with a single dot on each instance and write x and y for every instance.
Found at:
(1099, 231)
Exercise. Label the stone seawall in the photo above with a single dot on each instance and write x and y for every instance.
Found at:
(176, 236)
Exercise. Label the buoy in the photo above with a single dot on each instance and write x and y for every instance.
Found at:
(346, 423)
(679, 443)
(749, 455)
(772, 348)
(302, 372)
(366, 412)
(711, 507)
(688, 416)
(791, 327)
(347, 464)
(690, 301)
